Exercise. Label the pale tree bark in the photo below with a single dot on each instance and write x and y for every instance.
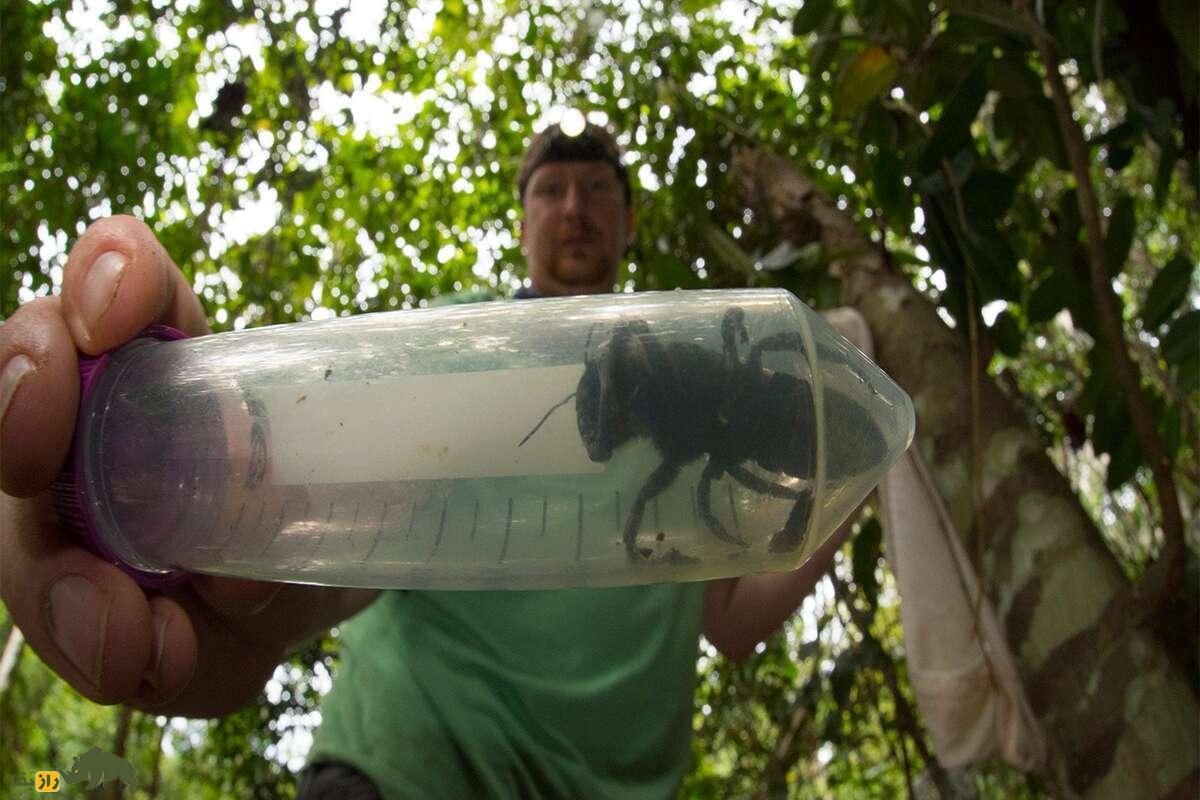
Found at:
(10, 657)
(1119, 715)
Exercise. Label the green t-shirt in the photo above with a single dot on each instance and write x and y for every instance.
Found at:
(565, 693)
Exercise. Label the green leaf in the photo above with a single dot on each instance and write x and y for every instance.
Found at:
(999, 15)
(993, 264)
(1069, 221)
(1183, 22)
(1049, 297)
(892, 196)
(953, 129)
(1012, 77)
(1110, 422)
(866, 550)
(871, 71)
(828, 291)
(1119, 157)
(1007, 334)
(1183, 340)
(987, 195)
(728, 251)
(841, 680)
(1170, 427)
(826, 47)
(1029, 124)
(810, 16)
(1187, 374)
(1166, 168)
(1117, 241)
(939, 235)
(1124, 460)
(1167, 292)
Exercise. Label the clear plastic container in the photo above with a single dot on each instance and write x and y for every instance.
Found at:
(584, 441)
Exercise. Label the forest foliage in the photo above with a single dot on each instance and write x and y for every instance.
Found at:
(305, 161)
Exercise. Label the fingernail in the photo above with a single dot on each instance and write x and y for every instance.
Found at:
(78, 623)
(14, 372)
(100, 287)
(160, 640)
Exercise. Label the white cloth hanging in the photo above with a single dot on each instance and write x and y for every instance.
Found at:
(959, 665)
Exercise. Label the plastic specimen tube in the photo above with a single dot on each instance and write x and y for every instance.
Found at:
(584, 441)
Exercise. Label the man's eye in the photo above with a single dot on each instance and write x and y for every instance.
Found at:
(550, 189)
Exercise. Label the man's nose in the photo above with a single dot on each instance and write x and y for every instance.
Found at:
(575, 199)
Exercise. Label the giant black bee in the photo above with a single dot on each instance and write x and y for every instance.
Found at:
(691, 401)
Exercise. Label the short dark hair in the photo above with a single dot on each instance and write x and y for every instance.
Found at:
(552, 145)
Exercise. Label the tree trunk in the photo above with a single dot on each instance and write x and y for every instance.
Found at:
(115, 790)
(156, 762)
(1119, 715)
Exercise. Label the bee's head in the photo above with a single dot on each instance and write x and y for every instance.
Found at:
(593, 411)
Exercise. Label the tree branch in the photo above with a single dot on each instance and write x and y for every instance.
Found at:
(1162, 580)
(907, 720)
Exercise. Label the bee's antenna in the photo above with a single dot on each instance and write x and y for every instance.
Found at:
(553, 408)
(587, 345)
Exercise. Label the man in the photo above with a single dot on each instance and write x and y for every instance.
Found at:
(441, 694)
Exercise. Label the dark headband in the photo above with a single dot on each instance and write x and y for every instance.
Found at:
(552, 146)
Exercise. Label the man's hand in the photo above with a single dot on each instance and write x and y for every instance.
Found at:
(741, 612)
(202, 649)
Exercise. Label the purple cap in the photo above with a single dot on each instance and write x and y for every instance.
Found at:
(69, 489)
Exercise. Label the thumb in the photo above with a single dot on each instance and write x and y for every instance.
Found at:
(118, 280)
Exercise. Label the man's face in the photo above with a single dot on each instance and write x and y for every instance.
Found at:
(576, 227)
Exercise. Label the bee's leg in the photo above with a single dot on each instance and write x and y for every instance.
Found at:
(762, 485)
(791, 538)
(788, 340)
(658, 481)
(733, 327)
(712, 471)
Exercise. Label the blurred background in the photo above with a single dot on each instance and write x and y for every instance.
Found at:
(1025, 173)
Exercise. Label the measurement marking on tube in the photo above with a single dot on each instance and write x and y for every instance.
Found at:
(441, 527)
(544, 503)
(617, 500)
(475, 521)
(257, 521)
(412, 518)
(579, 530)
(213, 531)
(379, 533)
(733, 507)
(321, 535)
(507, 529)
(233, 527)
(278, 529)
(657, 526)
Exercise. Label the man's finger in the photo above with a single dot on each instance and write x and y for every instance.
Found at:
(39, 392)
(118, 280)
(87, 620)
